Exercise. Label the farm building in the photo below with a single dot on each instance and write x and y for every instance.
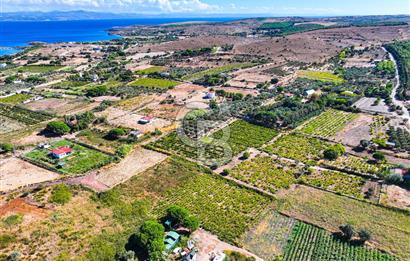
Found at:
(171, 239)
(61, 152)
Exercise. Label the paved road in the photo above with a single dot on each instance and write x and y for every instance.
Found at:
(406, 114)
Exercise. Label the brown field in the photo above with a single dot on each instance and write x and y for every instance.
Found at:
(15, 173)
(395, 196)
(9, 125)
(57, 106)
(355, 131)
(137, 162)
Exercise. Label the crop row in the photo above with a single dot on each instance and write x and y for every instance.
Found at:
(311, 243)
(23, 115)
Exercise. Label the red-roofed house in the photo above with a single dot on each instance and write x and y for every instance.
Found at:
(61, 152)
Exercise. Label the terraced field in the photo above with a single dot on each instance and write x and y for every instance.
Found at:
(358, 165)
(321, 76)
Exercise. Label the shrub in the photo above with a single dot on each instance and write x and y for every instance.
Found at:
(333, 152)
(6, 147)
(5, 240)
(379, 156)
(123, 150)
(116, 133)
(58, 127)
(396, 179)
(347, 231)
(364, 235)
(13, 220)
(100, 90)
(245, 155)
(61, 194)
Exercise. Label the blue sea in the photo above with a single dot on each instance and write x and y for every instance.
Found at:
(17, 34)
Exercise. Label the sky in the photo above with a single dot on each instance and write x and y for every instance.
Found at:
(226, 7)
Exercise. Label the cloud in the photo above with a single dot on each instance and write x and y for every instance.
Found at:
(130, 6)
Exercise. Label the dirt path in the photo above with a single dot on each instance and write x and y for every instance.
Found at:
(206, 243)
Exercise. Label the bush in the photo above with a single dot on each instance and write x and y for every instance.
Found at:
(97, 91)
(379, 156)
(396, 179)
(245, 155)
(6, 147)
(123, 150)
(116, 133)
(13, 220)
(5, 240)
(333, 152)
(364, 235)
(347, 231)
(58, 127)
(61, 194)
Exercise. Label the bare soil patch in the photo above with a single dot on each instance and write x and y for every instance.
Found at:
(58, 106)
(137, 162)
(355, 131)
(15, 173)
(395, 196)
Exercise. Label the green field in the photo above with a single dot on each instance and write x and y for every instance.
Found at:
(153, 83)
(357, 165)
(151, 70)
(80, 161)
(15, 99)
(390, 229)
(266, 173)
(336, 181)
(69, 85)
(223, 208)
(311, 243)
(23, 115)
(321, 76)
(240, 135)
(298, 147)
(328, 123)
(39, 68)
(217, 70)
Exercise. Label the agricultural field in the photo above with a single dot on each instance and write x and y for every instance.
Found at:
(154, 83)
(151, 70)
(80, 161)
(269, 238)
(60, 107)
(328, 123)
(23, 115)
(321, 76)
(338, 182)
(97, 138)
(15, 99)
(9, 125)
(217, 70)
(73, 85)
(298, 147)
(400, 137)
(39, 68)
(209, 150)
(358, 165)
(308, 242)
(390, 229)
(135, 103)
(266, 173)
(223, 208)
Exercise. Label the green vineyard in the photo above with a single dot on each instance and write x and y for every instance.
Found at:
(311, 243)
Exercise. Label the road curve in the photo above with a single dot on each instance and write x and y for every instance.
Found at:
(396, 102)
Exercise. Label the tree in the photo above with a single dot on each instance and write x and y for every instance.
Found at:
(245, 155)
(274, 81)
(180, 216)
(213, 105)
(364, 144)
(58, 127)
(347, 231)
(364, 235)
(379, 156)
(330, 154)
(151, 238)
(116, 133)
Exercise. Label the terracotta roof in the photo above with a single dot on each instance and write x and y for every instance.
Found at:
(61, 150)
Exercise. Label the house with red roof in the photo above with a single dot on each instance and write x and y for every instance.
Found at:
(61, 152)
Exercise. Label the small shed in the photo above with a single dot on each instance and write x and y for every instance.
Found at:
(171, 239)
